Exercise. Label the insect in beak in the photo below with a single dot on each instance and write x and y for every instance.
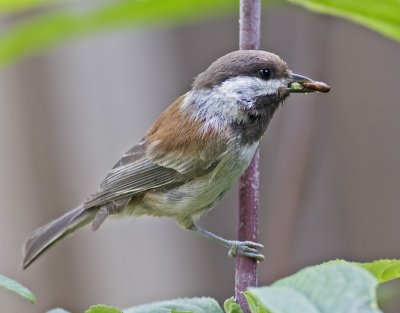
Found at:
(302, 84)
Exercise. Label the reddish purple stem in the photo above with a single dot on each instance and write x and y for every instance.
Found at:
(246, 268)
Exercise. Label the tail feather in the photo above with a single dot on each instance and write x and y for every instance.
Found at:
(46, 236)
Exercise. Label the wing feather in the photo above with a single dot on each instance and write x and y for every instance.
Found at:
(175, 150)
(130, 179)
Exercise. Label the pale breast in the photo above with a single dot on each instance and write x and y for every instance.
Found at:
(198, 195)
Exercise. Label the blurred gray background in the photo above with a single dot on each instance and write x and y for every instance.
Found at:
(330, 172)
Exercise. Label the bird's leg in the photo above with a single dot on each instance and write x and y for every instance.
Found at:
(246, 248)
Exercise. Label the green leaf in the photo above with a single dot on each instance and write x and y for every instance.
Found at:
(333, 287)
(55, 27)
(100, 308)
(382, 16)
(230, 306)
(58, 310)
(16, 287)
(187, 305)
(279, 299)
(383, 270)
(12, 6)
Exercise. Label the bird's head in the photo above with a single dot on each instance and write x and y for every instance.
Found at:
(247, 87)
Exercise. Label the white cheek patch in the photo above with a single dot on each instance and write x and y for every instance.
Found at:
(212, 108)
(246, 89)
(224, 103)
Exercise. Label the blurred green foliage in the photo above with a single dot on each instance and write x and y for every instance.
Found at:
(382, 16)
(55, 26)
(13, 6)
(36, 25)
(14, 286)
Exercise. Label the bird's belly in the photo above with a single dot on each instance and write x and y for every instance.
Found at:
(198, 195)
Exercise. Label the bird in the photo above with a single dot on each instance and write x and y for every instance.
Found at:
(192, 154)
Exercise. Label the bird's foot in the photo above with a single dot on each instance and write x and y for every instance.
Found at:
(246, 248)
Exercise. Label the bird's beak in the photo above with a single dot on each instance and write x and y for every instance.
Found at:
(302, 84)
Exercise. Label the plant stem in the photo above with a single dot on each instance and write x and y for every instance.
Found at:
(249, 24)
(246, 268)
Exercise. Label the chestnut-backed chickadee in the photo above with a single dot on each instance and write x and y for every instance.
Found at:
(192, 154)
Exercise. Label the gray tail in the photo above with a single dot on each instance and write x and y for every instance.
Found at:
(46, 236)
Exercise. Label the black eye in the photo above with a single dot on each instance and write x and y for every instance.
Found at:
(265, 74)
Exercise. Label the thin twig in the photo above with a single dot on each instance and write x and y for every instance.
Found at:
(246, 268)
